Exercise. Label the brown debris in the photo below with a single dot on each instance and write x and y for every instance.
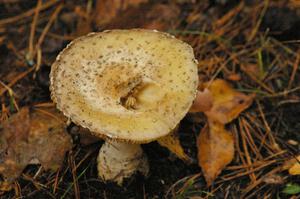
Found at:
(215, 144)
(273, 179)
(203, 101)
(215, 150)
(106, 10)
(228, 103)
(37, 137)
(145, 16)
(172, 143)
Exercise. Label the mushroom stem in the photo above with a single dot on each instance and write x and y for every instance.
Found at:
(118, 160)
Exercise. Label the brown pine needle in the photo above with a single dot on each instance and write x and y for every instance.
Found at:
(27, 13)
(16, 79)
(47, 27)
(56, 181)
(295, 68)
(75, 179)
(262, 14)
(33, 27)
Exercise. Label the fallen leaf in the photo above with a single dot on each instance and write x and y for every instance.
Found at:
(291, 189)
(5, 186)
(28, 137)
(227, 103)
(294, 4)
(293, 166)
(145, 16)
(215, 150)
(234, 77)
(106, 10)
(203, 101)
(215, 144)
(161, 21)
(293, 142)
(295, 169)
(172, 143)
(273, 179)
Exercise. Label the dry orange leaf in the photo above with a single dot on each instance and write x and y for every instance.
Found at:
(215, 150)
(172, 143)
(215, 143)
(295, 167)
(31, 137)
(227, 103)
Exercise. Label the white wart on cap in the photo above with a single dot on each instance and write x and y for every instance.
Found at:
(133, 85)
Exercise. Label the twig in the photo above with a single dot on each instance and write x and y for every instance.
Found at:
(57, 36)
(75, 179)
(246, 152)
(11, 94)
(44, 104)
(33, 27)
(46, 29)
(55, 185)
(259, 181)
(229, 15)
(50, 115)
(43, 35)
(27, 13)
(16, 79)
(295, 68)
(248, 172)
(254, 31)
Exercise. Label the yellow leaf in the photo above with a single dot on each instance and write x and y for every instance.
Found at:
(172, 143)
(295, 168)
(215, 150)
(227, 103)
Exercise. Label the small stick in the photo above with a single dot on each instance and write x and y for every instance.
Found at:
(27, 13)
(38, 50)
(16, 79)
(255, 30)
(259, 181)
(46, 29)
(11, 94)
(246, 152)
(295, 67)
(274, 145)
(75, 179)
(250, 139)
(33, 27)
(248, 172)
(55, 185)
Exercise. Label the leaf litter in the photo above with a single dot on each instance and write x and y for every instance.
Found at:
(215, 143)
(214, 44)
(172, 143)
(215, 150)
(33, 137)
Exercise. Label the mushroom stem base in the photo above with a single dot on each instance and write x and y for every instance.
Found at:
(117, 161)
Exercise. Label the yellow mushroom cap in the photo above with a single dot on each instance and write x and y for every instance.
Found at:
(134, 85)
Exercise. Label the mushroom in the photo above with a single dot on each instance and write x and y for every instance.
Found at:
(127, 86)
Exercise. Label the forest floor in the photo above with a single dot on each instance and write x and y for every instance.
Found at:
(254, 45)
